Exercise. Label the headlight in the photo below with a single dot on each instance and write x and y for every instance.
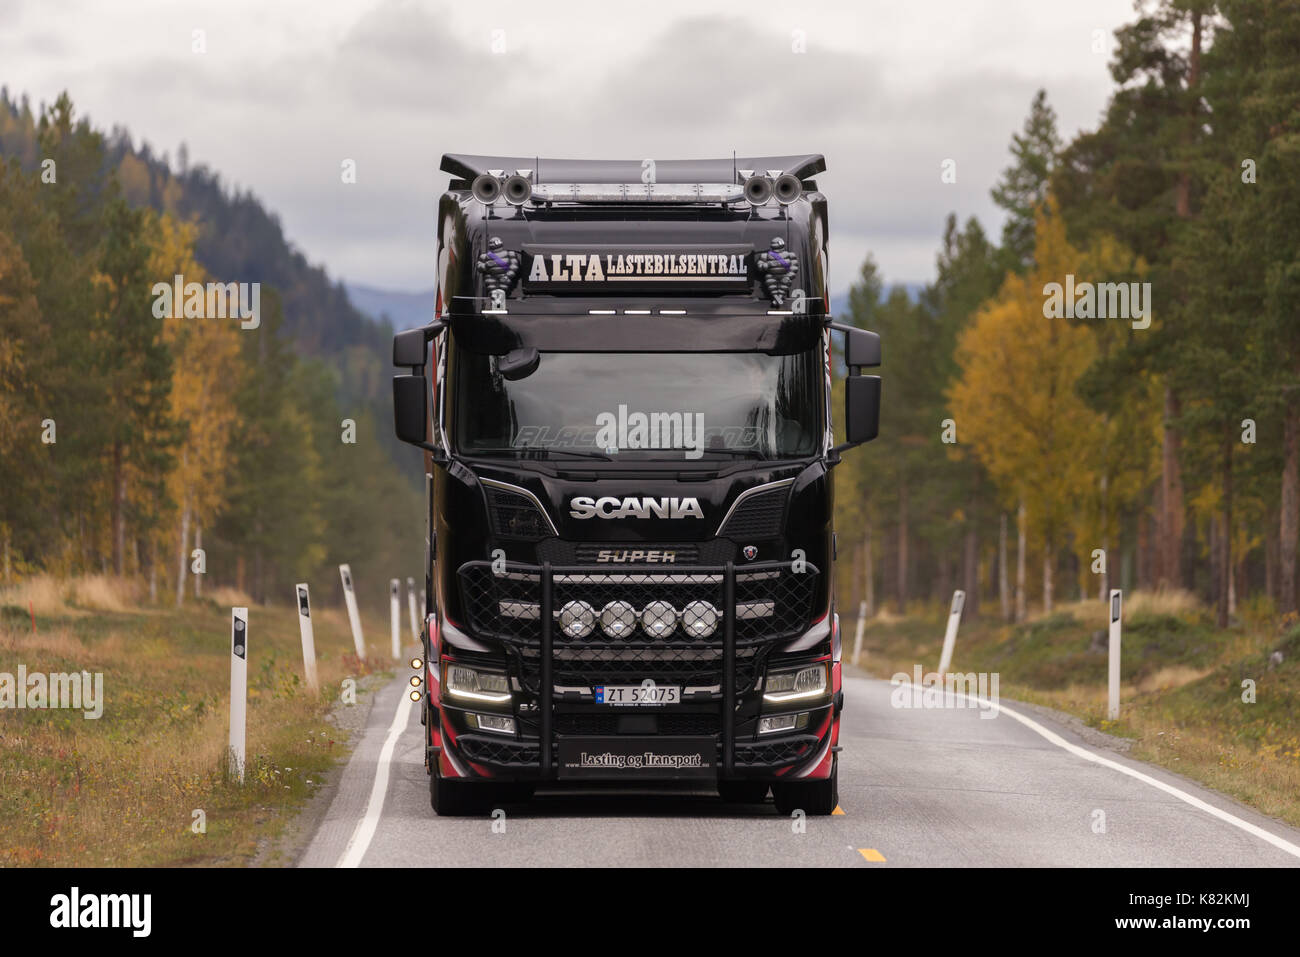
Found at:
(577, 619)
(795, 684)
(477, 685)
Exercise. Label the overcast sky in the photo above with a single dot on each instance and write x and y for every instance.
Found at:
(287, 90)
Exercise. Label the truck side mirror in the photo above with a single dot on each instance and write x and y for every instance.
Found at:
(410, 348)
(411, 409)
(861, 392)
(861, 348)
(410, 392)
(861, 408)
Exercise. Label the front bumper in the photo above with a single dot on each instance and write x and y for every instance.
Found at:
(711, 733)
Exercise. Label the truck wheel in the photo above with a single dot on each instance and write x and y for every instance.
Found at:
(742, 792)
(456, 798)
(814, 798)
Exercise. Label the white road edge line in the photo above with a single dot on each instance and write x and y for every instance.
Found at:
(359, 843)
(1056, 739)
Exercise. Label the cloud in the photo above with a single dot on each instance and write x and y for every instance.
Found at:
(278, 108)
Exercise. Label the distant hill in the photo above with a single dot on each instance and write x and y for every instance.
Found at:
(241, 240)
(840, 300)
(405, 310)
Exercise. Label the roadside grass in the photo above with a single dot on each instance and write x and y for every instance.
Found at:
(1182, 683)
(123, 790)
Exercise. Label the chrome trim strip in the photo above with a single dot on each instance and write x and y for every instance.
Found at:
(454, 636)
(636, 578)
(638, 192)
(528, 610)
(780, 483)
(532, 611)
(506, 486)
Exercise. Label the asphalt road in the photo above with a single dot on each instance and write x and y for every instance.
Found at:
(917, 788)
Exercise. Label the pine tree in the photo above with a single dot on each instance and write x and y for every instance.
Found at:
(1024, 183)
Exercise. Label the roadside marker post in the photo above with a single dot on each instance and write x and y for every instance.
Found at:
(950, 636)
(1116, 624)
(410, 602)
(308, 638)
(857, 631)
(954, 618)
(354, 616)
(395, 602)
(238, 687)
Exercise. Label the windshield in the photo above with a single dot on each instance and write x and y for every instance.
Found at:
(665, 406)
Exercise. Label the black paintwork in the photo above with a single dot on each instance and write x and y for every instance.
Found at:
(735, 319)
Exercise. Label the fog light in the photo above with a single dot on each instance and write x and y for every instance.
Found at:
(502, 724)
(658, 619)
(415, 681)
(779, 722)
(617, 619)
(415, 696)
(577, 619)
(700, 619)
(416, 663)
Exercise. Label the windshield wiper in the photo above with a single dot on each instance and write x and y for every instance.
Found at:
(576, 453)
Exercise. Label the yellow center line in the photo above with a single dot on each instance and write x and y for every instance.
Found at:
(871, 854)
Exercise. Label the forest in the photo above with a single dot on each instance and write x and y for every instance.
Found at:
(174, 452)
(1031, 454)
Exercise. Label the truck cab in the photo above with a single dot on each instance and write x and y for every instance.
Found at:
(624, 400)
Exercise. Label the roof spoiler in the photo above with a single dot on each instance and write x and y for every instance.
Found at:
(546, 170)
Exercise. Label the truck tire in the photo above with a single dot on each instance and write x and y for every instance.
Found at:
(743, 792)
(456, 798)
(814, 798)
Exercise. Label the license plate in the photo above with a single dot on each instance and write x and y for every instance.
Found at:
(638, 694)
(622, 757)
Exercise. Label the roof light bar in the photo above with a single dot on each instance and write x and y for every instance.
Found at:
(637, 193)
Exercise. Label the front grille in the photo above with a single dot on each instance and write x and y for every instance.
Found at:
(757, 516)
(515, 516)
(773, 603)
(592, 553)
(504, 752)
(620, 554)
(766, 755)
(682, 723)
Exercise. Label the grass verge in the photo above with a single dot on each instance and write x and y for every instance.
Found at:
(132, 787)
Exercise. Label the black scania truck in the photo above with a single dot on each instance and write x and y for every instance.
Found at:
(624, 400)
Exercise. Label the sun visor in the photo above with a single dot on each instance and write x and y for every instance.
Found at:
(773, 335)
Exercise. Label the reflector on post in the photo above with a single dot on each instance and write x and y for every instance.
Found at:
(238, 688)
(354, 616)
(308, 637)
